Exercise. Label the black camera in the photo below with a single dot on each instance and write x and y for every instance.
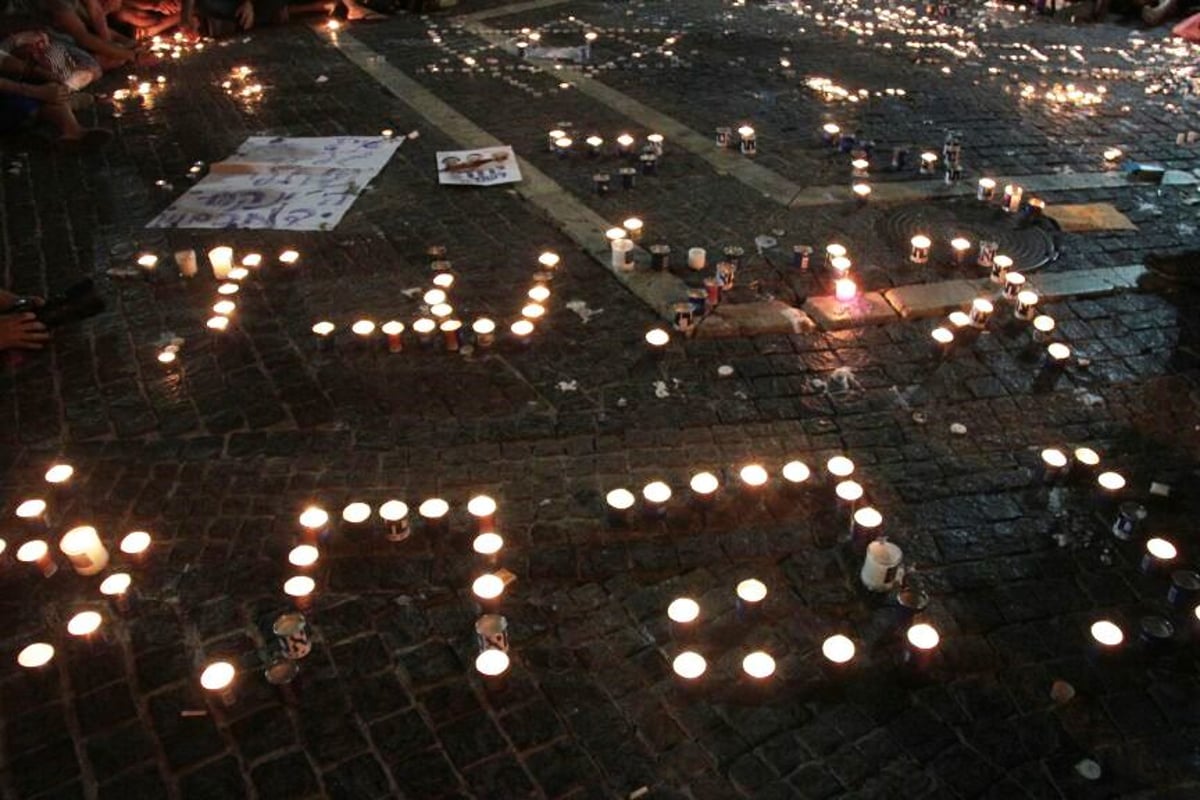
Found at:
(76, 304)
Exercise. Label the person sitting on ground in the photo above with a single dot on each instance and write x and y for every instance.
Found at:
(22, 101)
(84, 21)
(20, 331)
(1156, 13)
(224, 17)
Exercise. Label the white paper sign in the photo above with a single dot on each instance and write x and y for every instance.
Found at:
(281, 184)
(486, 166)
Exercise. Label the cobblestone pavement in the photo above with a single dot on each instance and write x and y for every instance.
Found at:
(218, 453)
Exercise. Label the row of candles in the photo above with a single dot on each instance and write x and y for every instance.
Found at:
(242, 83)
(85, 552)
(441, 320)
(560, 142)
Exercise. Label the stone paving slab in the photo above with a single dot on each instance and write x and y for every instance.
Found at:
(868, 308)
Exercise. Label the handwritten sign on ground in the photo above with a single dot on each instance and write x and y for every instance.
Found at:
(285, 184)
(486, 166)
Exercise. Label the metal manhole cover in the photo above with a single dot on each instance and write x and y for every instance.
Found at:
(1029, 246)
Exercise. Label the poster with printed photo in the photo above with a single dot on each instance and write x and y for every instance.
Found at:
(485, 166)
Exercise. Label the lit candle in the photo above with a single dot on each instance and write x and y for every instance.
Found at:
(830, 133)
(135, 544)
(217, 324)
(1026, 306)
(395, 514)
(689, 667)
(227, 289)
(833, 251)
(859, 167)
(443, 280)
(289, 257)
(923, 640)
(483, 509)
(1158, 556)
(425, 329)
(364, 329)
(655, 496)
(85, 551)
(221, 259)
(943, 341)
(1107, 637)
(37, 552)
(619, 502)
(300, 589)
(1012, 198)
(1057, 355)
(33, 512)
(862, 193)
(848, 494)
(845, 290)
(981, 310)
(634, 226)
(434, 514)
(657, 339)
(840, 265)
(758, 666)
(434, 297)
(303, 556)
(754, 477)
(986, 190)
(1054, 464)
(217, 678)
(552, 137)
(36, 655)
(168, 355)
(485, 332)
(840, 467)
(750, 596)
(116, 586)
(393, 329)
(625, 145)
(487, 546)
(749, 141)
(866, 525)
(961, 247)
(356, 514)
(919, 254)
(521, 331)
(533, 311)
(1001, 264)
(452, 334)
(59, 474)
(224, 307)
(492, 665)
(148, 263)
(796, 473)
(488, 589)
(323, 330)
(549, 261)
(315, 522)
(697, 258)
(883, 567)
(1109, 485)
(682, 614)
(1113, 155)
(704, 487)
(1014, 283)
(928, 163)
(1043, 328)
(84, 624)
(838, 649)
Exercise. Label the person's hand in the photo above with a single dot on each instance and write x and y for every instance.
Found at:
(22, 331)
(168, 7)
(51, 93)
(245, 14)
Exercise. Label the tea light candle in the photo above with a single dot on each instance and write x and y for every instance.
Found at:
(33, 511)
(562, 145)
(634, 226)
(986, 190)
(619, 502)
(704, 487)
(859, 167)
(217, 324)
(538, 294)
(393, 329)
(750, 596)
(1026, 306)
(928, 163)
(657, 339)
(135, 544)
(1043, 328)
(749, 140)
(483, 509)
(830, 133)
(1113, 154)
(37, 552)
(443, 280)
(594, 144)
(489, 591)
(919, 254)
(758, 666)
(59, 474)
(689, 667)
(866, 524)
(552, 137)
(981, 310)
(849, 493)
(796, 473)
(943, 340)
(356, 513)
(838, 649)
(84, 624)
(487, 546)
(655, 143)
(315, 522)
(1087, 457)
(840, 467)
(833, 251)
(1001, 264)
(862, 193)
(323, 330)
(217, 678)
(148, 264)
(425, 329)
(624, 145)
(492, 664)
(549, 261)
(289, 258)
(303, 556)
(229, 289)
(1057, 355)
(1110, 484)
(533, 311)
(521, 331)
(85, 551)
(923, 640)
(1054, 464)
(224, 308)
(221, 259)
(1014, 283)
(655, 496)
(395, 514)
(434, 297)
(1107, 635)
(300, 589)
(683, 613)
(36, 655)
(434, 514)
(754, 477)
(116, 586)
(452, 334)
(1159, 555)
(960, 247)
(840, 265)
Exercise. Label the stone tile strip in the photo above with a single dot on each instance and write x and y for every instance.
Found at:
(512, 8)
(586, 228)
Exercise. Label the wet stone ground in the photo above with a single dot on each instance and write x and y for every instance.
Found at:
(217, 454)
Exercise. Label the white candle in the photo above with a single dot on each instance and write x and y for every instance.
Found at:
(221, 259)
(882, 568)
(85, 551)
(217, 678)
(838, 648)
